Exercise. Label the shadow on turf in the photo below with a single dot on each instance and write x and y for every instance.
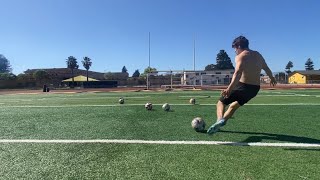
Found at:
(258, 137)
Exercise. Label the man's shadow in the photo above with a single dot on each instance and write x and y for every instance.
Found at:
(258, 137)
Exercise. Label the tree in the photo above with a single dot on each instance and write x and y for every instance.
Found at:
(223, 61)
(210, 67)
(124, 69)
(7, 76)
(4, 65)
(86, 62)
(40, 75)
(309, 64)
(148, 70)
(24, 77)
(288, 67)
(136, 73)
(72, 64)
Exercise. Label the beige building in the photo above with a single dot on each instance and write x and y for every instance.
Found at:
(216, 77)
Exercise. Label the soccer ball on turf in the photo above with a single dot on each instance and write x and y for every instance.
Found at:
(192, 101)
(166, 107)
(198, 124)
(121, 100)
(148, 106)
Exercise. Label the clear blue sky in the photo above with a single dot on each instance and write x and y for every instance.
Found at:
(114, 33)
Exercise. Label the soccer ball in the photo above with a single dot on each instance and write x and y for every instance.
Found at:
(121, 100)
(166, 107)
(148, 106)
(198, 124)
(192, 101)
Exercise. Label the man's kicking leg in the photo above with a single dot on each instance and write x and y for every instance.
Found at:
(222, 117)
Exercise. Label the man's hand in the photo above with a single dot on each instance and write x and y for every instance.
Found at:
(273, 81)
(225, 93)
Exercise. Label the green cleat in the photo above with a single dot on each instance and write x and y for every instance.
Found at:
(216, 127)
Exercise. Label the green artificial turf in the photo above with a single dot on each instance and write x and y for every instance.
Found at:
(273, 116)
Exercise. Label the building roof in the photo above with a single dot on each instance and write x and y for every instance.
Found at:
(65, 73)
(79, 79)
(309, 72)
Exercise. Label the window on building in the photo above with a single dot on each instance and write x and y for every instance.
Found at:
(187, 76)
(218, 72)
(203, 73)
(197, 74)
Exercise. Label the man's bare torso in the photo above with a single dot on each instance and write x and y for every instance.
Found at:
(252, 62)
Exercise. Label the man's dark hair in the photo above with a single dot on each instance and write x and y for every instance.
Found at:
(240, 42)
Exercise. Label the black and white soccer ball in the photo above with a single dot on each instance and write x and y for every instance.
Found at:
(198, 124)
(166, 107)
(121, 100)
(148, 106)
(192, 101)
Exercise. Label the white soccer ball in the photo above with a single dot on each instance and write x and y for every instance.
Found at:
(198, 124)
(166, 107)
(121, 100)
(148, 106)
(192, 101)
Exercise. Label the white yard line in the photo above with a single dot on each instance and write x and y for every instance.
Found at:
(119, 105)
(203, 96)
(125, 141)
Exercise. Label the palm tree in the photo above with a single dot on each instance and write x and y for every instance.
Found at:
(86, 62)
(72, 64)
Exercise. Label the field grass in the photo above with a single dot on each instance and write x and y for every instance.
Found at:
(273, 116)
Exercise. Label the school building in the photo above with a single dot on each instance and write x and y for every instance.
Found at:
(304, 77)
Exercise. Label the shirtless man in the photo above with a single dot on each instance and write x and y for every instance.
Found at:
(245, 83)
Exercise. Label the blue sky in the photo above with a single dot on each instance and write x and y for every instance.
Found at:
(114, 33)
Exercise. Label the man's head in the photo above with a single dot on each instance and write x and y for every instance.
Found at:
(240, 43)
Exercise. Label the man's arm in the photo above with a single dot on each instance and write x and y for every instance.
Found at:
(235, 77)
(266, 68)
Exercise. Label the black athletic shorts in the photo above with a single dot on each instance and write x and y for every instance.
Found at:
(242, 93)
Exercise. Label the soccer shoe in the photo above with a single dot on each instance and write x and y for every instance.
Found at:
(215, 127)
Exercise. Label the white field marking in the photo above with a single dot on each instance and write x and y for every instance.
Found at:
(119, 105)
(72, 98)
(295, 94)
(279, 95)
(291, 104)
(199, 96)
(125, 141)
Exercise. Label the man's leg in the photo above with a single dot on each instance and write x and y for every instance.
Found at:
(225, 116)
(230, 111)
(220, 110)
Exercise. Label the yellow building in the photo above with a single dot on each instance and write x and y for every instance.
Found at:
(304, 77)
